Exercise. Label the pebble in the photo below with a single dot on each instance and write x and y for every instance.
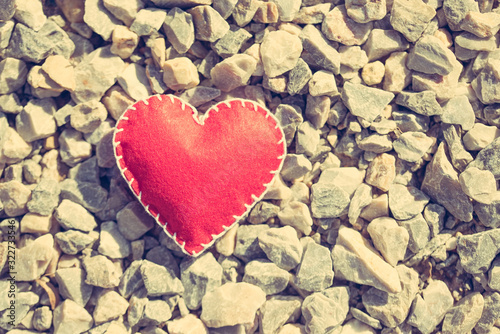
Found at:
(14, 148)
(423, 103)
(480, 136)
(100, 19)
(389, 238)
(187, 324)
(287, 9)
(490, 314)
(124, 11)
(312, 14)
(278, 190)
(34, 258)
(42, 318)
(232, 304)
(362, 197)
(244, 11)
(72, 285)
(430, 308)
(231, 43)
(60, 70)
(135, 82)
(180, 73)
(340, 26)
(133, 221)
(482, 25)
(297, 215)
(179, 29)
(458, 110)
(295, 166)
(411, 18)
(280, 52)
(488, 158)
(397, 76)
(71, 215)
(30, 13)
(323, 314)
(314, 272)
(9, 103)
(298, 77)
(277, 311)
(392, 308)
(464, 315)
(32, 171)
(289, 119)
(365, 102)
(209, 25)
(109, 306)
(267, 276)
(381, 171)
(354, 260)
(124, 42)
(322, 83)
(116, 101)
(317, 50)
(148, 21)
(281, 246)
(87, 116)
(233, 72)
(8, 8)
(382, 43)
(14, 197)
(478, 184)
(373, 73)
(111, 242)
(72, 242)
(36, 120)
(478, 250)
(328, 200)
(307, 138)
(86, 171)
(494, 275)
(471, 42)
(347, 178)
(91, 196)
(430, 55)
(160, 280)
(456, 10)
(411, 146)
(69, 317)
(34, 223)
(489, 214)
(199, 276)
(406, 202)
(262, 212)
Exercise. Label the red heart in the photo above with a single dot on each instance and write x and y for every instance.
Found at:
(197, 176)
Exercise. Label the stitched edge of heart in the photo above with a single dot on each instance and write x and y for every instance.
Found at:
(200, 120)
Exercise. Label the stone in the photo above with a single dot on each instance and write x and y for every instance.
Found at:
(188, 323)
(478, 250)
(124, 42)
(419, 232)
(410, 122)
(347, 178)
(71, 215)
(491, 313)
(73, 10)
(488, 158)
(179, 29)
(160, 280)
(14, 197)
(314, 272)
(430, 308)
(281, 246)
(423, 103)
(244, 11)
(328, 200)
(112, 243)
(430, 55)
(480, 136)
(491, 113)
(110, 305)
(295, 166)
(280, 52)
(340, 26)
(44, 198)
(180, 73)
(411, 146)
(364, 12)
(373, 73)
(32, 171)
(488, 214)
(209, 25)
(163, 256)
(72, 285)
(289, 119)
(42, 318)
(200, 95)
(133, 221)
(88, 194)
(312, 14)
(397, 76)
(60, 70)
(34, 223)
(365, 102)
(233, 72)
(262, 212)
(267, 276)
(392, 308)
(42, 85)
(411, 18)
(232, 304)
(287, 9)
(131, 280)
(116, 101)
(381, 43)
(148, 21)
(135, 82)
(277, 311)
(69, 317)
(34, 258)
(199, 276)
(278, 190)
(482, 25)
(373, 142)
(14, 148)
(322, 83)
(100, 19)
(318, 49)
(36, 120)
(471, 42)
(86, 171)
(298, 77)
(30, 13)
(406, 202)
(72, 242)
(9, 103)
(355, 260)
(224, 7)
(362, 197)
(87, 116)
(322, 314)
(434, 215)
(381, 171)
(8, 9)
(493, 275)
(389, 238)
(247, 242)
(458, 110)
(464, 315)
(231, 43)
(297, 215)
(478, 184)
(101, 272)
(24, 301)
(95, 74)
(124, 11)
(456, 10)
(307, 138)
(317, 110)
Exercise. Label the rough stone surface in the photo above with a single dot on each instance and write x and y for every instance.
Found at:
(411, 17)
(233, 72)
(491, 313)
(365, 102)
(411, 146)
(389, 238)
(477, 250)
(281, 246)
(72, 285)
(318, 50)
(267, 276)
(464, 315)
(315, 271)
(340, 26)
(325, 311)
(280, 52)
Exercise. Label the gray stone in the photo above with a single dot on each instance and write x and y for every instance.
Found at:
(32, 171)
(494, 275)
(411, 18)
(389, 238)
(267, 276)
(124, 11)
(112, 243)
(247, 242)
(230, 44)
(262, 212)
(36, 120)
(295, 166)
(289, 119)
(319, 51)
(199, 276)
(307, 138)
(409, 121)
(244, 11)
(148, 21)
(429, 310)
(42, 318)
(327, 310)
(233, 72)
(381, 43)
(131, 280)
(328, 201)
(355, 260)
(491, 313)
(8, 8)
(373, 142)
(71, 215)
(101, 272)
(281, 246)
(232, 304)
(366, 11)
(87, 116)
(209, 25)
(411, 146)
(89, 195)
(224, 7)
(13, 74)
(14, 196)
(155, 313)
(365, 318)
(458, 110)
(339, 26)
(419, 232)
(10, 103)
(441, 184)
(472, 42)
(365, 102)
(30, 13)
(314, 272)
(362, 197)
(297, 215)
(323, 83)
(489, 158)
(464, 315)
(478, 184)
(392, 308)
(34, 258)
(72, 242)
(406, 202)
(423, 103)
(86, 171)
(430, 55)
(456, 10)
(179, 29)
(287, 9)
(69, 317)
(160, 280)
(347, 178)
(100, 19)
(317, 110)
(477, 250)
(134, 221)
(279, 52)
(488, 214)
(180, 3)
(491, 114)
(110, 305)
(44, 198)
(209, 62)
(298, 77)
(277, 311)
(72, 285)
(434, 216)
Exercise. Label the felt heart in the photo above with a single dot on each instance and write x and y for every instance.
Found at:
(198, 175)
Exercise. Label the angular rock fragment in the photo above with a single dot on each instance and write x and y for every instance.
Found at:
(464, 315)
(267, 276)
(389, 238)
(411, 146)
(365, 102)
(281, 246)
(411, 17)
(430, 55)
(340, 26)
(99, 18)
(209, 25)
(180, 73)
(318, 51)
(233, 72)
(280, 52)
(477, 250)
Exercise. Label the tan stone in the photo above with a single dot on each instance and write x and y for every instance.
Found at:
(60, 71)
(227, 243)
(267, 13)
(233, 72)
(379, 207)
(72, 9)
(117, 101)
(35, 223)
(39, 79)
(397, 76)
(373, 73)
(124, 42)
(381, 171)
(158, 51)
(180, 73)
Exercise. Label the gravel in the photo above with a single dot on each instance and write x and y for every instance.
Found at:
(384, 218)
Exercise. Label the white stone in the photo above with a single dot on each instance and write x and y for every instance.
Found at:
(73, 149)
(180, 73)
(70, 318)
(87, 116)
(124, 10)
(61, 71)
(124, 42)
(135, 82)
(34, 258)
(297, 215)
(347, 178)
(389, 238)
(478, 184)
(148, 21)
(480, 136)
(13, 147)
(233, 72)
(280, 52)
(36, 121)
(99, 18)
(30, 13)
